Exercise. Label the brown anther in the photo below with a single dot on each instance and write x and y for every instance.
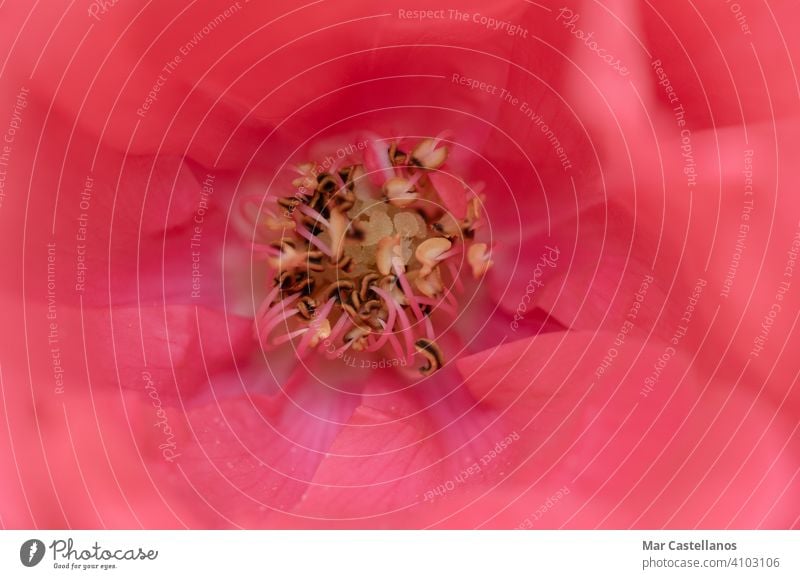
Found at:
(372, 312)
(354, 299)
(346, 173)
(389, 255)
(479, 259)
(429, 251)
(338, 289)
(343, 199)
(432, 354)
(346, 264)
(307, 307)
(311, 224)
(426, 154)
(319, 203)
(301, 283)
(365, 292)
(326, 184)
(344, 205)
(388, 283)
(367, 309)
(400, 192)
(396, 156)
(350, 310)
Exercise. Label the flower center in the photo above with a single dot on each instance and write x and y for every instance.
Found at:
(363, 253)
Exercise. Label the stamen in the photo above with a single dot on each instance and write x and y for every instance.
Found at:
(289, 337)
(479, 258)
(266, 329)
(266, 305)
(377, 162)
(389, 255)
(395, 343)
(388, 327)
(428, 155)
(451, 267)
(432, 354)
(409, 293)
(406, 331)
(429, 329)
(358, 338)
(457, 249)
(307, 179)
(305, 209)
(429, 253)
(339, 351)
(401, 192)
(337, 230)
(277, 308)
(315, 240)
(360, 257)
(439, 304)
(430, 285)
(320, 327)
(265, 249)
(307, 307)
(341, 325)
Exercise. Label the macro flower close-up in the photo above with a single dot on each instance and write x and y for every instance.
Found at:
(341, 265)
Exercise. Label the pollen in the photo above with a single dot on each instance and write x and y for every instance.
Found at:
(364, 254)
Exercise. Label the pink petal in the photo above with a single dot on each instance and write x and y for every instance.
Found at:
(253, 457)
(452, 191)
(632, 452)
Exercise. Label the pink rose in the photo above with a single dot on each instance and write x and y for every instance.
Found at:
(336, 265)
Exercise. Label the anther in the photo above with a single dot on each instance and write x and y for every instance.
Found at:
(389, 255)
(427, 155)
(357, 337)
(400, 192)
(366, 282)
(397, 157)
(337, 290)
(307, 307)
(429, 253)
(430, 285)
(432, 354)
(326, 184)
(479, 259)
(289, 203)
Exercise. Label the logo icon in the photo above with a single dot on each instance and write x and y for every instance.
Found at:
(32, 552)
